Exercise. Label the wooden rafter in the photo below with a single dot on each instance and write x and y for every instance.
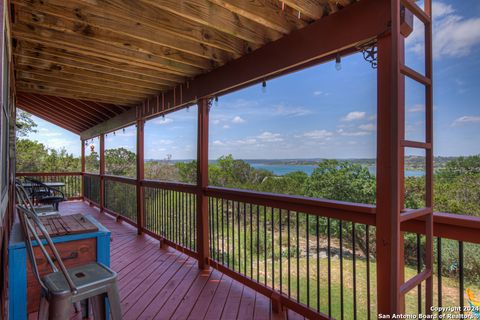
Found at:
(120, 52)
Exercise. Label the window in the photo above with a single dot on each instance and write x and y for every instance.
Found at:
(120, 152)
(310, 133)
(92, 155)
(171, 146)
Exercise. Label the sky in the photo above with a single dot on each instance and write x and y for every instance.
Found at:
(321, 112)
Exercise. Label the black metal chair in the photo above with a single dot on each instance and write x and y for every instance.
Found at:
(44, 194)
(63, 288)
(24, 199)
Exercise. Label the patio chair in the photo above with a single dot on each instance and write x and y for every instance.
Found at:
(24, 199)
(63, 288)
(45, 194)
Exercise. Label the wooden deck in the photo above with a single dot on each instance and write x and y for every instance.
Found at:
(162, 284)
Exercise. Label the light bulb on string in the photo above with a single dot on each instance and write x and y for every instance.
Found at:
(216, 101)
(123, 130)
(264, 86)
(338, 62)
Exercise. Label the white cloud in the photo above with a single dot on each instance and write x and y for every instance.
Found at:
(318, 134)
(270, 137)
(354, 133)
(453, 35)
(417, 108)
(466, 119)
(246, 141)
(48, 133)
(218, 143)
(320, 93)
(162, 121)
(216, 121)
(368, 127)
(226, 126)
(238, 119)
(354, 115)
(292, 111)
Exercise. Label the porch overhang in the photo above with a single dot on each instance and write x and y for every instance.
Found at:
(66, 56)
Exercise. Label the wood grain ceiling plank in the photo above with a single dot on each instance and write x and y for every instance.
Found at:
(95, 90)
(106, 110)
(163, 20)
(77, 80)
(81, 95)
(214, 16)
(99, 21)
(90, 47)
(315, 9)
(50, 117)
(73, 113)
(57, 63)
(266, 13)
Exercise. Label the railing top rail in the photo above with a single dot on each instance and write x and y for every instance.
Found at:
(47, 174)
(122, 179)
(175, 186)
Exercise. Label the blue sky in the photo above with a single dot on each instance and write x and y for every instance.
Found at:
(322, 112)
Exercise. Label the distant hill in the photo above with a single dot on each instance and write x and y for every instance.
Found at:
(411, 162)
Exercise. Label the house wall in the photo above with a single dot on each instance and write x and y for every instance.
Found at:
(7, 144)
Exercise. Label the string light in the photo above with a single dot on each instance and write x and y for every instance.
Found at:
(338, 62)
(216, 101)
(264, 86)
(123, 130)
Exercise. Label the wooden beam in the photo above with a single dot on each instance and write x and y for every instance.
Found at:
(107, 111)
(266, 13)
(92, 47)
(67, 83)
(140, 176)
(93, 63)
(314, 9)
(202, 182)
(23, 86)
(158, 19)
(214, 16)
(102, 172)
(53, 107)
(82, 168)
(82, 81)
(67, 124)
(101, 22)
(81, 34)
(58, 66)
(342, 32)
(120, 121)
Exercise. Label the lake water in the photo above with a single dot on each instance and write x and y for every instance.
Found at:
(282, 169)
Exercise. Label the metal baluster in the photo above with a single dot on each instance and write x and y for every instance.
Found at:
(439, 271)
(340, 228)
(289, 257)
(461, 276)
(354, 272)
(307, 227)
(367, 239)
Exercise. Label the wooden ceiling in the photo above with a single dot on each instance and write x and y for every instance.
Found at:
(118, 52)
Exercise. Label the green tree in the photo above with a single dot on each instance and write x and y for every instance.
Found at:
(120, 162)
(341, 180)
(24, 124)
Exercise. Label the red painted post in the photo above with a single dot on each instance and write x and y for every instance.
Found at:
(390, 163)
(82, 166)
(102, 172)
(140, 176)
(202, 182)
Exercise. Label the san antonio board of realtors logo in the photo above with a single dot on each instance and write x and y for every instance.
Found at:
(474, 303)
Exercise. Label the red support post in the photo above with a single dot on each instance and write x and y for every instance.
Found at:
(82, 168)
(390, 114)
(102, 172)
(140, 176)
(202, 183)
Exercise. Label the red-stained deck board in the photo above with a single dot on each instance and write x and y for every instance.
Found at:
(159, 283)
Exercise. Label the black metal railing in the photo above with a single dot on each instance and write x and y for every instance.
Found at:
(121, 197)
(72, 181)
(91, 187)
(318, 262)
(171, 214)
